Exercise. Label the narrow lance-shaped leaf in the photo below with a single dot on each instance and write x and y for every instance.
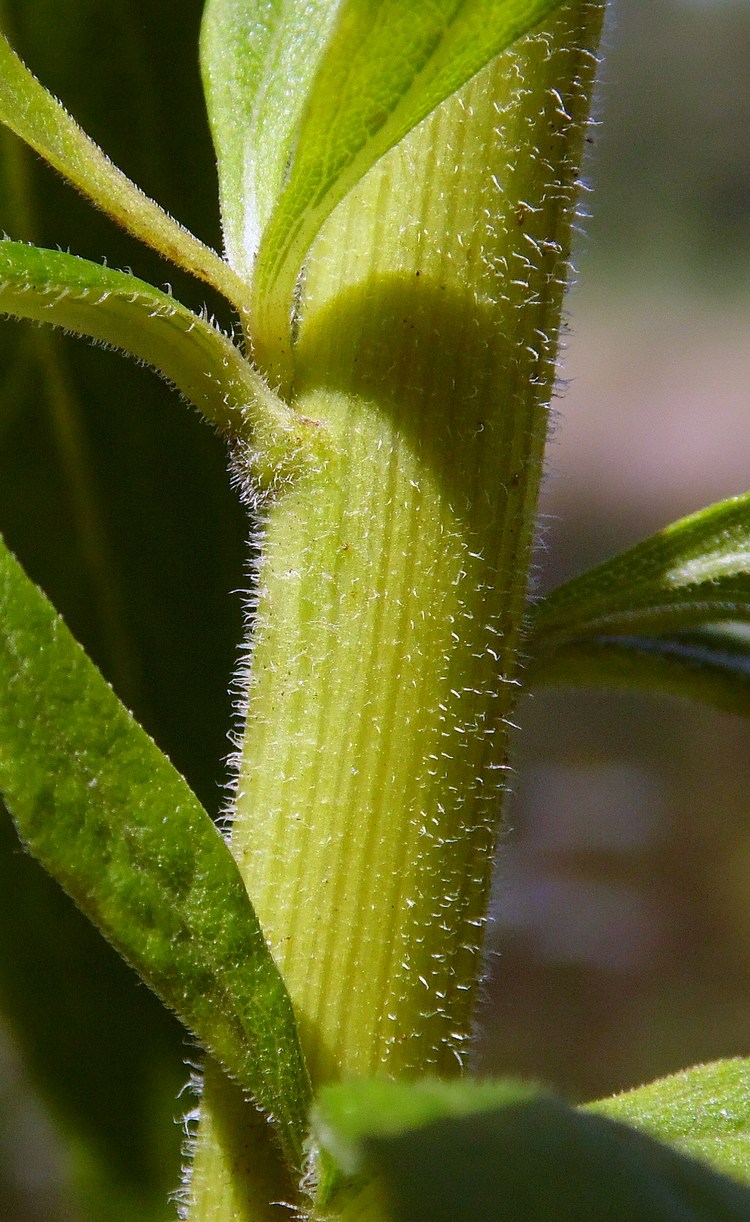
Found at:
(710, 665)
(695, 571)
(365, 73)
(30, 111)
(503, 1151)
(705, 1111)
(107, 814)
(130, 314)
(671, 614)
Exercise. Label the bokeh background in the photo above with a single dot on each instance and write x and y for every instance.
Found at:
(622, 934)
(620, 947)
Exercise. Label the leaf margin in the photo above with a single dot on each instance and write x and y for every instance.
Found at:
(670, 614)
(36, 117)
(201, 942)
(121, 311)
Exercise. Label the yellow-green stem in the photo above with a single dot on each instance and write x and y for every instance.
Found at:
(392, 584)
(392, 580)
(238, 1174)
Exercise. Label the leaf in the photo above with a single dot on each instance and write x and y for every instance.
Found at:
(522, 1157)
(364, 73)
(130, 314)
(705, 1111)
(250, 52)
(712, 666)
(103, 1056)
(670, 614)
(346, 1118)
(29, 111)
(695, 571)
(105, 813)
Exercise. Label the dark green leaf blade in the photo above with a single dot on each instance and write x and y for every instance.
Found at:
(104, 811)
(528, 1157)
(705, 1111)
(89, 1034)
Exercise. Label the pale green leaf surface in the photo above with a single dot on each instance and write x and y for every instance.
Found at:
(106, 813)
(117, 309)
(705, 1111)
(30, 111)
(258, 60)
(694, 572)
(304, 99)
(710, 665)
(524, 1157)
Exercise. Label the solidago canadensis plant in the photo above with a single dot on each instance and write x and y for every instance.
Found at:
(397, 187)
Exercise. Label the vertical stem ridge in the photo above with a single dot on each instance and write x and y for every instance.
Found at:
(393, 580)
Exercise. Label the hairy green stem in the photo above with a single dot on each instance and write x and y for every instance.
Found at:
(392, 580)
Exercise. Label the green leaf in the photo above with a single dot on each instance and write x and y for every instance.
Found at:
(712, 666)
(42, 122)
(137, 536)
(130, 314)
(106, 813)
(695, 571)
(705, 1111)
(670, 614)
(116, 308)
(346, 1119)
(364, 73)
(250, 52)
(521, 1156)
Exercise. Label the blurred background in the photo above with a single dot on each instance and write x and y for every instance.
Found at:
(620, 948)
(621, 943)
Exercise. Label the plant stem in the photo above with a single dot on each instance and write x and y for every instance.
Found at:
(393, 579)
(392, 584)
(238, 1173)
